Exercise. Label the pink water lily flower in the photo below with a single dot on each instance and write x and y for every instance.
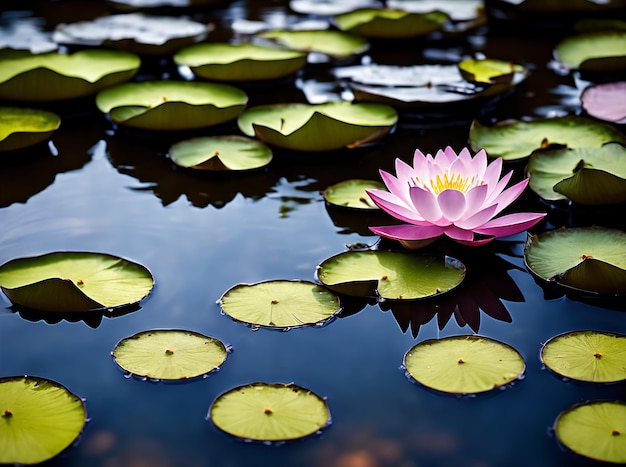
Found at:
(456, 196)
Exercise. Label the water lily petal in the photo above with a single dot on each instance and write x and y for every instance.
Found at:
(394, 206)
(399, 188)
(492, 172)
(452, 204)
(404, 171)
(496, 189)
(480, 164)
(510, 224)
(477, 242)
(408, 232)
(478, 219)
(456, 233)
(426, 204)
(510, 194)
(475, 199)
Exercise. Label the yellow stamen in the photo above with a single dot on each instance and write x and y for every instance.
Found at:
(449, 182)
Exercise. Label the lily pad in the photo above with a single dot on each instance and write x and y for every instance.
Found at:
(171, 105)
(588, 176)
(390, 23)
(590, 259)
(39, 419)
(596, 430)
(464, 364)
(240, 62)
(318, 127)
(517, 139)
(169, 354)
(335, 44)
(280, 304)
(22, 127)
(390, 275)
(489, 70)
(606, 101)
(329, 7)
(591, 356)
(221, 153)
(463, 10)
(70, 282)
(352, 194)
(270, 412)
(135, 32)
(67, 76)
(596, 51)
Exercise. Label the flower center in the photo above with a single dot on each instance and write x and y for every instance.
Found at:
(452, 181)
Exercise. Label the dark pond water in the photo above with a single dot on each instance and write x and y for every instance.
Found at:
(199, 235)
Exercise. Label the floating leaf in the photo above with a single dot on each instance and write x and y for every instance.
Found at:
(489, 70)
(390, 275)
(269, 412)
(335, 44)
(74, 282)
(352, 194)
(464, 10)
(593, 356)
(321, 127)
(517, 139)
(134, 32)
(328, 7)
(390, 23)
(39, 419)
(240, 62)
(171, 105)
(21, 127)
(595, 51)
(67, 76)
(464, 364)
(589, 176)
(280, 304)
(169, 354)
(596, 430)
(219, 153)
(591, 259)
(606, 101)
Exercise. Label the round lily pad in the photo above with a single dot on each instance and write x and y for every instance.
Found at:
(351, 193)
(240, 62)
(606, 101)
(390, 275)
(67, 76)
(335, 44)
(221, 153)
(589, 259)
(594, 51)
(517, 139)
(318, 127)
(464, 364)
(134, 32)
(390, 23)
(489, 70)
(270, 412)
(280, 304)
(596, 430)
(169, 354)
(39, 419)
(22, 127)
(589, 176)
(591, 356)
(171, 105)
(74, 282)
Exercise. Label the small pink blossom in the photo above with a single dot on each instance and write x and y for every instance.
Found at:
(456, 196)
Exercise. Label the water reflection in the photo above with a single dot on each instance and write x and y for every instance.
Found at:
(93, 319)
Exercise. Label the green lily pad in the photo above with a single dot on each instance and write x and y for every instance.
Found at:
(280, 304)
(171, 105)
(517, 139)
(220, 153)
(39, 419)
(391, 23)
(591, 356)
(464, 364)
(352, 194)
(590, 176)
(595, 51)
(134, 32)
(318, 127)
(74, 282)
(67, 76)
(240, 62)
(21, 127)
(270, 412)
(169, 354)
(590, 259)
(596, 430)
(335, 44)
(489, 70)
(390, 275)
(464, 10)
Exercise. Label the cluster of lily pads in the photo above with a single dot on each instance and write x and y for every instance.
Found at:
(570, 159)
